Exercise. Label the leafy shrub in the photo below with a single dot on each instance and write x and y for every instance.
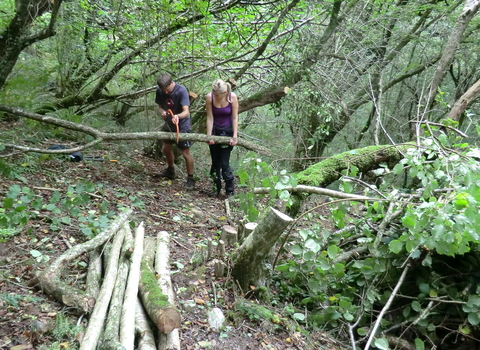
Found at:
(422, 240)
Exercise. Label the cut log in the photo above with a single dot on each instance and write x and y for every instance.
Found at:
(127, 324)
(156, 304)
(146, 339)
(171, 340)
(247, 268)
(219, 267)
(94, 274)
(49, 280)
(111, 339)
(97, 318)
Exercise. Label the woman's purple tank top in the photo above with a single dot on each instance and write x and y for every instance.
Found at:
(222, 117)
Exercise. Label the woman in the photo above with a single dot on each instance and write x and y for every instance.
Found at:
(222, 120)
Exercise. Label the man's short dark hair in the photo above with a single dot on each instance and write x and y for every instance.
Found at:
(164, 80)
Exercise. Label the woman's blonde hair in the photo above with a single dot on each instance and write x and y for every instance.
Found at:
(221, 86)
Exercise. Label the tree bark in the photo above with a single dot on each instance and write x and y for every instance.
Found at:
(156, 303)
(127, 324)
(97, 318)
(94, 274)
(49, 279)
(250, 255)
(168, 341)
(111, 340)
(103, 136)
(329, 170)
(142, 328)
(469, 10)
(463, 102)
(17, 35)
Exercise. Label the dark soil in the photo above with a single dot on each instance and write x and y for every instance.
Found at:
(27, 316)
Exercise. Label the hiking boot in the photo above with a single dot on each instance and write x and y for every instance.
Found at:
(190, 184)
(169, 173)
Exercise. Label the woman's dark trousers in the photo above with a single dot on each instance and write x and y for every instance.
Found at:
(221, 168)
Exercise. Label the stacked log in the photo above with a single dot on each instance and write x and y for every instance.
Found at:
(130, 294)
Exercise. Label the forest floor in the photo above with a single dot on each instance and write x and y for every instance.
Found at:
(28, 317)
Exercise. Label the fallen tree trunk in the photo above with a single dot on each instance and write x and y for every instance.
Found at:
(168, 341)
(247, 267)
(324, 173)
(105, 136)
(49, 280)
(97, 318)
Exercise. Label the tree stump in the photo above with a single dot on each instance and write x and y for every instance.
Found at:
(247, 267)
(229, 235)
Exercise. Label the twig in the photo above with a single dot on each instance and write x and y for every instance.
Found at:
(180, 244)
(386, 307)
(46, 188)
(214, 293)
(227, 208)
(441, 125)
(418, 319)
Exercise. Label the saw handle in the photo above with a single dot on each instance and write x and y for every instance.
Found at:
(169, 111)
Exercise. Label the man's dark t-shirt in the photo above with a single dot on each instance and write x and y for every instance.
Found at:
(174, 101)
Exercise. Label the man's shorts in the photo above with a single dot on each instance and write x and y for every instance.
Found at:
(181, 144)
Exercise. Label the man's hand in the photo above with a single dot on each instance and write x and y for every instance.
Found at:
(175, 119)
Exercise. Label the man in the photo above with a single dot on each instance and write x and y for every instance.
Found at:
(174, 97)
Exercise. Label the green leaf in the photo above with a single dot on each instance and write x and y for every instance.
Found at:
(333, 251)
(296, 250)
(395, 246)
(419, 344)
(312, 245)
(416, 306)
(362, 332)
(381, 343)
(473, 318)
(299, 316)
(408, 221)
(35, 253)
(424, 288)
(464, 329)
(284, 195)
(397, 169)
(7, 203)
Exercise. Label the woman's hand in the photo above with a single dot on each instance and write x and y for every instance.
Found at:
(233, 141)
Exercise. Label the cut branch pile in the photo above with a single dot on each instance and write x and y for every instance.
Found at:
(122, 303)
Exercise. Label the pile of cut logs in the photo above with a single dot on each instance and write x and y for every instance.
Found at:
(121, 300)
